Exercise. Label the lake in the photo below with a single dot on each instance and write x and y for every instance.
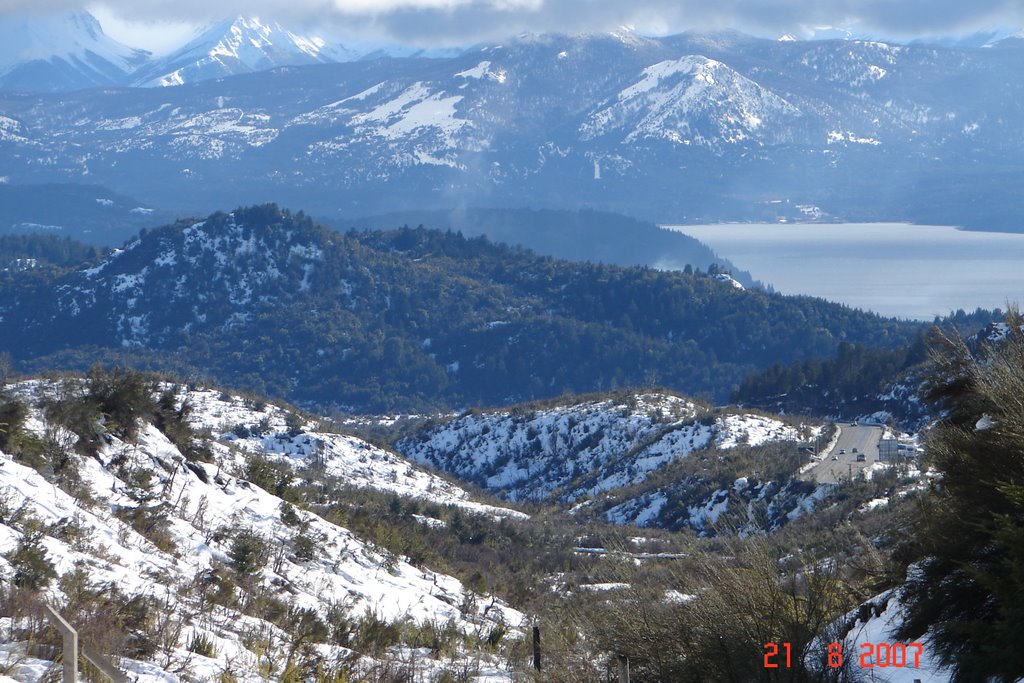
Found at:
(896, 269)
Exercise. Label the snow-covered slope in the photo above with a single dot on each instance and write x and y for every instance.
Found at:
(216, 265)
(693, 100)
(237, 46)
(61, 52)
(874, 623)
(148, 522)
(264, 430)
(744, 505)
(566, 452)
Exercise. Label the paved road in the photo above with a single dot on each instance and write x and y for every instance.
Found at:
(862, 437)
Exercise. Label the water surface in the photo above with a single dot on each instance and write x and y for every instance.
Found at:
(907, 271)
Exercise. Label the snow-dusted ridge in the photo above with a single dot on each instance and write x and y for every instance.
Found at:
(62, 52)
(348, 458)
(566, 452)
(206, 505)
(544, 116)
(71, 51)
(611, 459)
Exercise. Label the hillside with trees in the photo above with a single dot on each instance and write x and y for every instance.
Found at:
(44, 251)
(195, 534)
(860, 379)
(965, 588)
(410, 319)
(112, 472)
(586, 235)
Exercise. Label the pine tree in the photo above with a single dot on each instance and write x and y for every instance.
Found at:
(967, 587)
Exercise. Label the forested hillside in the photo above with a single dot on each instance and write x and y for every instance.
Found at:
(595, 236)
(42, 251)
(411, 318)
(860, 379)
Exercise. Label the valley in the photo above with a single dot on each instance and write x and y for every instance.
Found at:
(390, 531)
(263, 540)
(563, 356)
(270, 542)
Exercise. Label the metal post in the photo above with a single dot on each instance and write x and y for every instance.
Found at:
(623, 669)
(536, 648)
(70, 647)
(104, 665)
(70, 652)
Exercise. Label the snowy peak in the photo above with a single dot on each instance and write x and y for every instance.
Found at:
(63, 52)
(1014, 40)
(71, 51)
(237, 46)
(693, 100)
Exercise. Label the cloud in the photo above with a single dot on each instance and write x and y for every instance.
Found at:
(453, 19)
(467, 21)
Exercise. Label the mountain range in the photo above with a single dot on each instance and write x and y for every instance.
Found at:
(71, 51)
(194, 527)
(686, 128)
(234, 46)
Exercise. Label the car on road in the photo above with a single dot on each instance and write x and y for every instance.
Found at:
(854, 450)
(835, 457)
(842, 451)
(860, 457)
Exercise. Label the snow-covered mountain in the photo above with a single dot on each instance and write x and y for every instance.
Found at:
(693, 101)
(565, 451)
(649, 459)
(62, 52)
(160, 517)
(70, 51)
(650, 127)
(237, 46)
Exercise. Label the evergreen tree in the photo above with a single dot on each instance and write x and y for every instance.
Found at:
(967, 585)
